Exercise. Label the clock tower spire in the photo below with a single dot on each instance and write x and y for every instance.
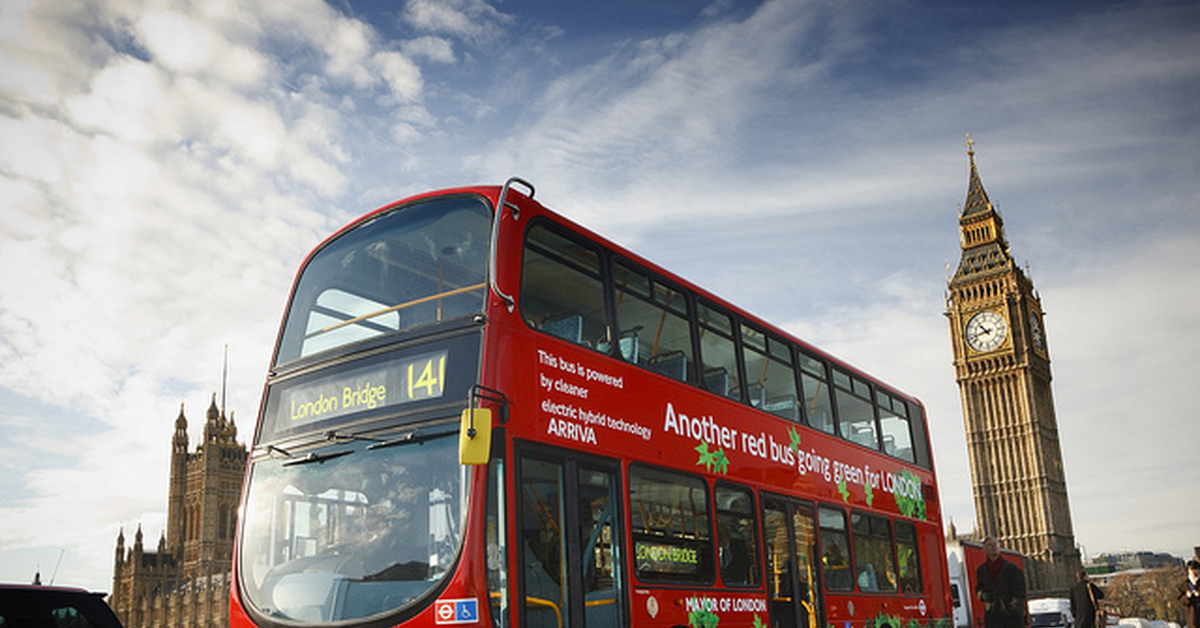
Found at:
(1002, 366)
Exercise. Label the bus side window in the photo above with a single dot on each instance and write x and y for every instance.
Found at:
(835, 549)
(908, 557)
(737, 536)
(717, 352)
(873, 552)
(770, 379)
(561, 290)
(654, 322)
(817, 409)
(672, 539)
(856, 414)
(894, 426)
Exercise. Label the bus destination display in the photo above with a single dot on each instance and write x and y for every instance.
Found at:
(369, 388)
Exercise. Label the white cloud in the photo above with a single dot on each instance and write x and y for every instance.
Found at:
(177, 42)
(349, 46)
(155, 208)
(467, 19)
(659, 113)
(402, 75)
(123, 100)
(1120, 336)
(435, 49)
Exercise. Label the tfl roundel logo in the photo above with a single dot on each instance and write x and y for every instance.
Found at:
(465, 611)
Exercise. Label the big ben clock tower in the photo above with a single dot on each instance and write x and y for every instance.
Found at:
(1002, 365)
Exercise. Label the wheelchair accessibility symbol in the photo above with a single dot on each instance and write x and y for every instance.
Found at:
(464, 611)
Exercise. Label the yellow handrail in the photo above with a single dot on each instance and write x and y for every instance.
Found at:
(359, 319)
(537, 601)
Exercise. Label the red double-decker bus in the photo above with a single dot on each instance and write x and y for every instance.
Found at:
(481, 414)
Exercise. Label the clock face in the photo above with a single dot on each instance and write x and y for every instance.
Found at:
(1035, 331)
(986, 331)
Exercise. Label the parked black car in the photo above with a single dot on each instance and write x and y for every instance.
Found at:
(31, 606)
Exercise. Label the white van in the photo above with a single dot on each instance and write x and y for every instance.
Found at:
(1050, 612)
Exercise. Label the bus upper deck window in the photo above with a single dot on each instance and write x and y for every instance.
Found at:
(561, 293)
(412, 266)
(657, 314)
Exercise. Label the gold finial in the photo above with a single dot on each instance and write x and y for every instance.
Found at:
(970, 145)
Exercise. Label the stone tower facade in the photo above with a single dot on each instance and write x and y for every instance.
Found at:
(184, 583)
(1002, 365)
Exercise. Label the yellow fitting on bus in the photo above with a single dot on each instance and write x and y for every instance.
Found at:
(475, 436)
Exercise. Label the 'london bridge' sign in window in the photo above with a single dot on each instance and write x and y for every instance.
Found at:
(362, 389)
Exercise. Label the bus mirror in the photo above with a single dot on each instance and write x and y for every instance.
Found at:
(475, 436)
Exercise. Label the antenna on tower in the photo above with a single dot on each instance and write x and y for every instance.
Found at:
(224, 378)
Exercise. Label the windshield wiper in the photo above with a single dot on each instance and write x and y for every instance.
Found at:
(410, 438)
(316, 457)
(343, 436)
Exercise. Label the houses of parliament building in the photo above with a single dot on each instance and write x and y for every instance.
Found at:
(184, 581)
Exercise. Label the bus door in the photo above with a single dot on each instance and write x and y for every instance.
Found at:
(790, 541)
(568, 542)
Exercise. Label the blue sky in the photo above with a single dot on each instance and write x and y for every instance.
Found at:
(165, 166)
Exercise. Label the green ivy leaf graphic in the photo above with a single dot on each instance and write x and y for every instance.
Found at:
(758, 623)
(910, 505)
(887, 621)
(720, 462)
(795, 436)
(870, 493)
(712, 460)
(707, 458)
(701, 618)
(845, 492)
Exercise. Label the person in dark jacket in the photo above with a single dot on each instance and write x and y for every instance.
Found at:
(1000, 585)
(1189, 593)
(1085, 602)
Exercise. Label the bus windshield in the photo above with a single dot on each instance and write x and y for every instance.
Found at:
(418, 264)
(353, 529)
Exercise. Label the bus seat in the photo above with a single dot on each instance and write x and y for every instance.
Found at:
(820, 420)
(716, 380)
(756, 393)
(866, 578)
(568, 327)
(672, 364)
(628, 345)
(786, 407)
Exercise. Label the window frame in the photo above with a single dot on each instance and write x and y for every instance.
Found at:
(706, 570)
(755, 562)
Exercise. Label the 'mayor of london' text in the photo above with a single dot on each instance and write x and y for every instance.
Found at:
(726, 604)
